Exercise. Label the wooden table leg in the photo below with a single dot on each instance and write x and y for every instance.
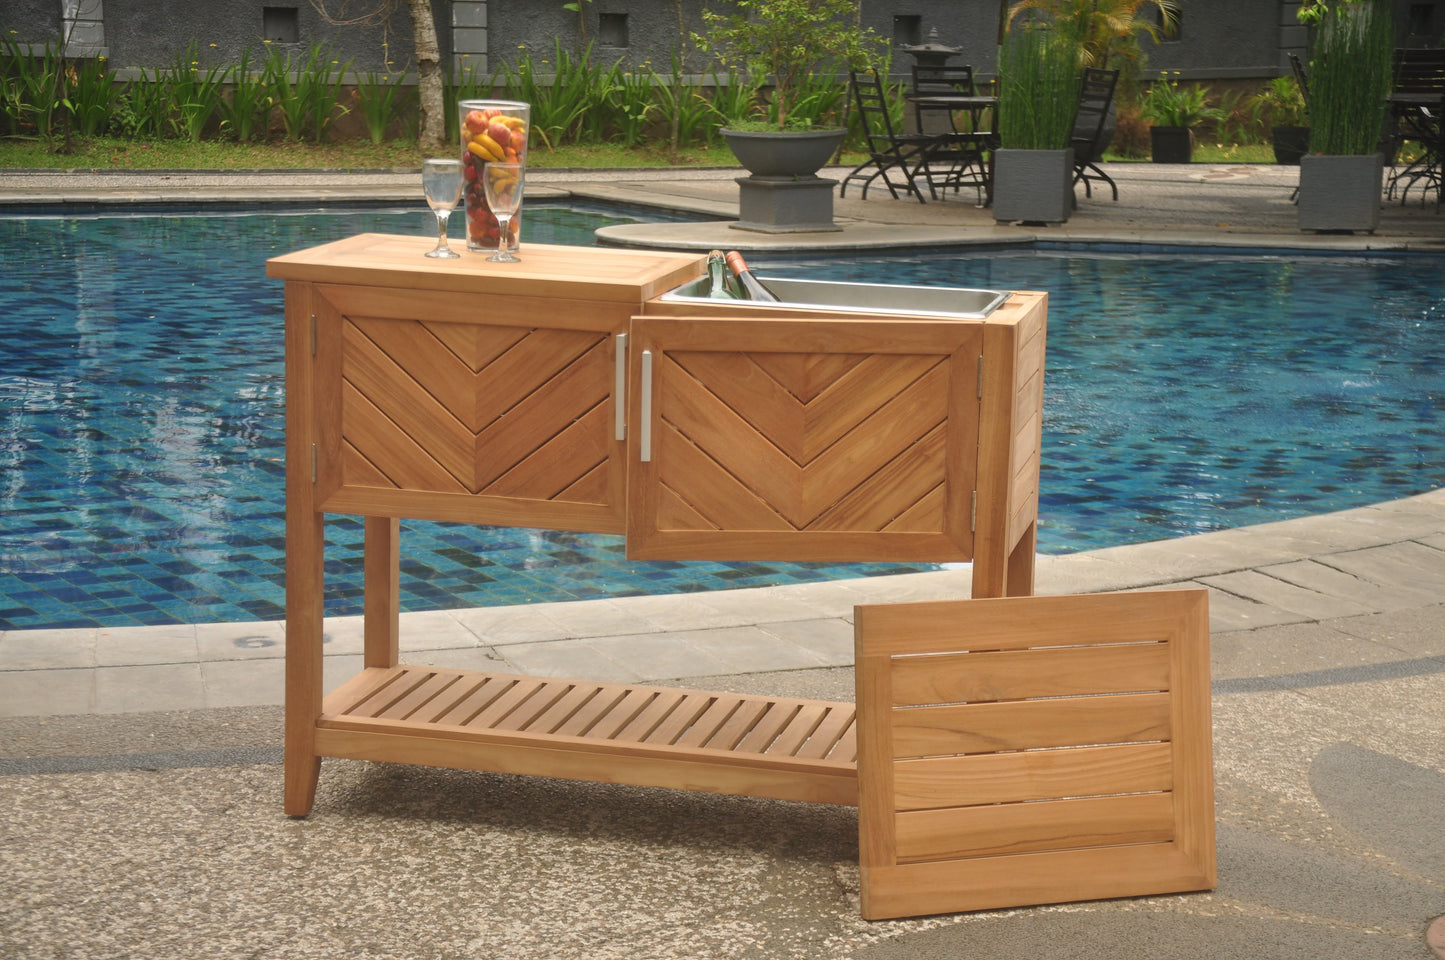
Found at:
(381, 574)
(305, 559)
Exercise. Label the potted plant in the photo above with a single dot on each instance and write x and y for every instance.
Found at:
(788, 44)
(1038, 93)
(1281, 104)
(785, 43)
(1351, 62)
(1175, 111)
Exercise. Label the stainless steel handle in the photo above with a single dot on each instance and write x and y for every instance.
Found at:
(619, 386)
(644, 439)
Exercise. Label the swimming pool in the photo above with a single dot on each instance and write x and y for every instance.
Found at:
(141, 445)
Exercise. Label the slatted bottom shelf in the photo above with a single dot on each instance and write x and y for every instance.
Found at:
(583, 730)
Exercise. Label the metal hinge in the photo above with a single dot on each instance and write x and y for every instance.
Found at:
(973, 513)
(313, 334)
(980, 376)
(313, 463)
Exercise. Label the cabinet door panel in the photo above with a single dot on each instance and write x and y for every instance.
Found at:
(769, 442)
(503, 419)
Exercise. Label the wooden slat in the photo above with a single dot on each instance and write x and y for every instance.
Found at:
(997, 828)
(1031, 775)
(711, 721)
(1055, 672)
(535, 706)
(419, 696)
(562, 708)
(648, 719)
(1019, 725)
(846, 749)
(624, 712)
(381, 699)
(680, 719)
(1046, 876)
(608, 698)
(405, 462)
(386, 384)
(731, 733)
(999, 624)
(826, 735)
(796, 733)
(552, 467)
(517, 694)
(481, 691)
(892, 491)
(769, 725)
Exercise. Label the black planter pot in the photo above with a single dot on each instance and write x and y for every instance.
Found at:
(1171, 144)
(1290, 143)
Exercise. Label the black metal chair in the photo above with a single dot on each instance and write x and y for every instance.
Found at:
(1417, 101)
(1096, 93)
(888, 152)
(958, 156)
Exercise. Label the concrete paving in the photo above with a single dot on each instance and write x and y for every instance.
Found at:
(139, 768)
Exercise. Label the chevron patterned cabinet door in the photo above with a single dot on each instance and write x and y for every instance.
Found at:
(770, 439)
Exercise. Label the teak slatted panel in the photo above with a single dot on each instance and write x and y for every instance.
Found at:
(1033, 750)
(655, 736)
(785, 439)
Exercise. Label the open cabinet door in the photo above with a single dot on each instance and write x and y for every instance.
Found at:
(764, 438)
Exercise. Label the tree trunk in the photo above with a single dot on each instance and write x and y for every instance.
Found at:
(428, 75)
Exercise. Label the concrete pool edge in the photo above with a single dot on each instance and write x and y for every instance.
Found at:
(1384, 559)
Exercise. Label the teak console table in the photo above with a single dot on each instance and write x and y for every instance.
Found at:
(562, 393)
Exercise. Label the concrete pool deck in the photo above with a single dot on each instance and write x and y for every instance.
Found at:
(139, 768)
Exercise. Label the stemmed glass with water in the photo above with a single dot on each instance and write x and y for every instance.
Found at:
(502, 183)
(441, 181)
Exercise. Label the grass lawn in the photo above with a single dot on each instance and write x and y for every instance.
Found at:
(109, 153)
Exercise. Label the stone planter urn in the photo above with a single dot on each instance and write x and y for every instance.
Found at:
(1033, 186)
(783, 192)
(1340, 193)
(1171, 144)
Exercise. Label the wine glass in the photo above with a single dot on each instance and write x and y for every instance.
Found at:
(503, 185)
(441, 181)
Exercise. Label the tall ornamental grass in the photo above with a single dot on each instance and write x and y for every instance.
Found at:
(1038, 76)
(1350, 72)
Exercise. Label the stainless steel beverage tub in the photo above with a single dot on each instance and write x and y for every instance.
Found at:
(827, 295)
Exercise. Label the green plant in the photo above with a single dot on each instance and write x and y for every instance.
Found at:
(142, 110)
(1168, 104)
(683, 106)
(89, 96)
(1351, 61)
(470, 83)
(33, 86)
(307, 93)
(1281, 104)
(279, 76)
(1107, 31)
(246, 112)
(319, 87)
(382, 98)
(195, 96)
(1038, 87)
(558, 106)
(631, 102)
(789, 41)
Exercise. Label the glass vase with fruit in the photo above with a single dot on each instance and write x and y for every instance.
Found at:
(492, 131)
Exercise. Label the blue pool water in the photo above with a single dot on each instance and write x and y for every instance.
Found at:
(141, 414)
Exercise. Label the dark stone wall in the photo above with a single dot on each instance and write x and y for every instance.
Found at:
(1222, 39)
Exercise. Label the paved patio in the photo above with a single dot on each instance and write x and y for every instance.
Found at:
(140, 777)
